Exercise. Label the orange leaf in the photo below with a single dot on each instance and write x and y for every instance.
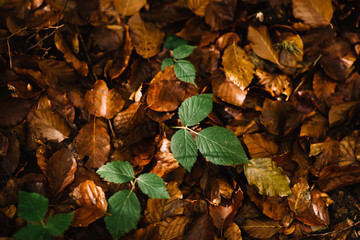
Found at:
(260, 146)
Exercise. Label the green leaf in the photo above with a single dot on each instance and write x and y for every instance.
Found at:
(32, 206)
(268, 178)
(173, 41)
(220, 146)
(152, 185)
(33, 231)
(185, 71)
(124, 209)
(117, 172)
(57, 224)
(166, 63)
(184, 149)
(195, 109)
(183, 51)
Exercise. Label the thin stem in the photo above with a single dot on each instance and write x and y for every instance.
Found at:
(186, 128)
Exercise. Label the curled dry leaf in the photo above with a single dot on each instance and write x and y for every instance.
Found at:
(93, 140)
(261, 43)
(315, 13)
(158, 210)
(146, 37)
(349, 149)
(16, 110)
(60, 170)
(326, 153)
(261, 228)
(276, 83)
(259, 145)
(202, 229)
(92, 202)
(267, 177)
(226, 39)
(101, 102)
(69, 56)
(128, 7)
(333, 177)
(237, 66)
(226, 90)
(114, 68)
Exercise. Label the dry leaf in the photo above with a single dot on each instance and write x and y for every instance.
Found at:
(173, 227)
(323, 86)
(315, 13)
(315, 127)
(150, 232)
(201, 229)
(198, 6)
(261, 43)
(102, 102)
(226, 39)
(277, 84)
(60, 170)
(92, 202)
(16, 110)
(267, 177)
(341, 113)
(237, 66)
(93, 141)
(300, 199)
(125, 120)
(333, 177)
(261, 228)
(9, 162)
(233, 232)
(146, 37)
(327, 153)
(260, 146)
(220, 14)
(128, 7)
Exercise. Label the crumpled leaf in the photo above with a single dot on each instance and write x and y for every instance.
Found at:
(60, 170)
(198, 6)
(94, 141)
(128, 7)
(267, 177)
(102, 102)
(261, 43)
(300, 199)
(260, 146)
(315, 13)
(276, 83)
(147, 38)
(91, 198)
(261, 228)
(237, 66)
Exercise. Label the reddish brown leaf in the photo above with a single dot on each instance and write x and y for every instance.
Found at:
(233, 232)
(173, 227)
(326, 153)
(201, 229)
(277, 84)
(259, 145)
(125, 120)
(219, 15)
(261, 228)
(150, 232)
(93, 141)
(341, 113)
(300, 200)
(60, 170)
(333, 177)
(16, 110)
(323, 86)
(315, 127)
(226, 39)
(195, 30)
(10, 161)
(93, 204)
(102, 102)
(316, 14)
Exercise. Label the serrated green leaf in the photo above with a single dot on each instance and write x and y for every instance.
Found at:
(185, 71)
(166, 63)
(124, 209)
(184, 149)
(195, 109)
(268, 178)
(152, 185)
(33, 231)
(117, 172)
(32, 206)
(220, 146)
(183, 51)
(57, 224)
(173, 41)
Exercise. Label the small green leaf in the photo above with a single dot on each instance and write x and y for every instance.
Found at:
(220, 146)
(117, 172)
(184, 149)
(152, 185)
(33, 231)
(173, 41)
(32, 206)
(166, 63)
(185, 71)
(183, 51)
(195, 109)
(124, 209)
(57, 224)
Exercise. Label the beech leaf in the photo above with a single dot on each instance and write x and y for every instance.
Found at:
(117, 172)
(195, 109)
(315, 13)
(128, 7)
(220, 146)
(267, 177)
(261, 228)
(152, 185)
(124, 209)
(185, 71)
(184, 149)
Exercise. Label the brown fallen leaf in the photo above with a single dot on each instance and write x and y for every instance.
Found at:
(146, 37)
(198, 6)
(9, 162)
(333, 177)
(102, 102)
(237, 66)
(93, 141)
(125, 120)
(323, 86)
(341, 113)
(277, 84)
(16, 110)
(173, 227)
(260, 145)
(92, 202)
(201, 229)
(261, 228)
(60, 170)
(128, 7)
(220, 14)
(315, 13)
(326, 153)
(149, 232)
(226, 39)
(315, 128)
(233, 232)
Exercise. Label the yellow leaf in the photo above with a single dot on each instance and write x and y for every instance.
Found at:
(198, 6)
(128, 7)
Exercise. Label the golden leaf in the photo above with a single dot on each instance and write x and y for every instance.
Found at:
(128, 7)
